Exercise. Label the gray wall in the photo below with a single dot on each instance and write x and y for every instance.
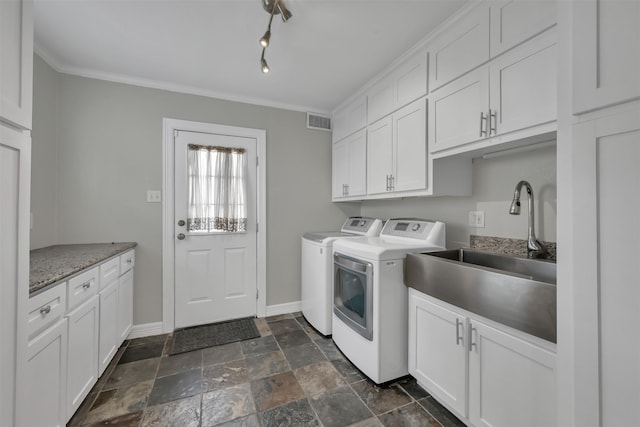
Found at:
(44, 158)
(109, 153)
(494, 180)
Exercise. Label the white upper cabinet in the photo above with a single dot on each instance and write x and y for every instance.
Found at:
(350, 166)
(523, 86)
(397, 151)
(406, 83)
(515, 21)
(350, 118)
(514, 92)
(606, 53)
(16, 62)
(458, 113)
(460, 48)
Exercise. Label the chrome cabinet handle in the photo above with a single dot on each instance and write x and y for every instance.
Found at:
(181, 236)
(471, 343)
(392, 180)
(181, 223)
(129, 261)
(346, 191)
(493, 122)
(86, 285)
(459, 338)
(483, 124)
(45, 310)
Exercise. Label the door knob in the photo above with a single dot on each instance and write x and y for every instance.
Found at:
(181, 236)
(181, 223)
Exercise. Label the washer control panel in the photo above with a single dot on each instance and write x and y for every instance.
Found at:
(418, 229)
(362, 225)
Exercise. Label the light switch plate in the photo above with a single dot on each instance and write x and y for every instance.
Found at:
(153, 196)
(476, 219)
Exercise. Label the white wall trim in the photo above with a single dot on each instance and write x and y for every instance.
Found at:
(163, 85)
(286, 308)
(145, 330)
(168, 215)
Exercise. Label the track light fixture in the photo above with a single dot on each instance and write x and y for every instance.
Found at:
(273, 7)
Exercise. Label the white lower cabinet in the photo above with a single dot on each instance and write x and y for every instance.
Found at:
(125, 306)
(82, 372)
(486, 374)
(109, 325)
(44, 379)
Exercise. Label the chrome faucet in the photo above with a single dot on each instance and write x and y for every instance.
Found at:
(535, 249)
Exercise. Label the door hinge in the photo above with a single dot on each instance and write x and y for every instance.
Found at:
(257, 161)
(257, 293)
(257, 227)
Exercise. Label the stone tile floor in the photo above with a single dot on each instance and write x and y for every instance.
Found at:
(289, 376)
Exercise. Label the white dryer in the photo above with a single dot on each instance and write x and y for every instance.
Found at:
(370, 308)
(317, 268)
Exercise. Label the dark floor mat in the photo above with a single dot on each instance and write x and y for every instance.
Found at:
(197, 337)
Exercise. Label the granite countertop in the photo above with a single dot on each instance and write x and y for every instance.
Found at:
(55, 263)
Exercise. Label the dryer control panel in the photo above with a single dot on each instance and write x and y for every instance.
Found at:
(418, 229)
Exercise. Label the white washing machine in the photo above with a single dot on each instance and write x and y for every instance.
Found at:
(317, 268)
(370, 314)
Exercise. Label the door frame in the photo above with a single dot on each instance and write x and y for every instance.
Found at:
(168, 214)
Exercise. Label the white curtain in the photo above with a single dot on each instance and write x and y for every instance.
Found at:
(217, 189)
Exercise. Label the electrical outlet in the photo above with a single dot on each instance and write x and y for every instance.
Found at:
(476, 219)
(153, 196)
(480, 219)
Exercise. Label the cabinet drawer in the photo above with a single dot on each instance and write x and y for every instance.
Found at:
(127, 261)
(82, 287)
(109, 272)
(45, 309)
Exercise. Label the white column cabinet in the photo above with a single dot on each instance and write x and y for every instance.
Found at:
(16, 62)
(486, 374)
(82, 356)
(606, 53)
(349, 172)
(397, 151)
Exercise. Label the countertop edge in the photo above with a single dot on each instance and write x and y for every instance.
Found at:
(66, 261)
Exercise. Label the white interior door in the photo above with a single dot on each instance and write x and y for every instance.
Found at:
(215, 272)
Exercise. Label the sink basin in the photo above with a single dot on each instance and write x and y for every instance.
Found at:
(517, 292)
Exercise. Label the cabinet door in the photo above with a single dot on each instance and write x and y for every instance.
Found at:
(605, 354)
(511, 382)
(524, 86)
(379, 156)
(606, 53)
(42, 403)
(15, 172)
(16, 61)
(515, 21)
(125, 306)
(349, 118)
(380, 100)
(437, 351)
(410, 80)
(82, 371)
(458, 113)
(340, 168)
(357, 177)
(109, 325)
(410, 147)
(461, 48)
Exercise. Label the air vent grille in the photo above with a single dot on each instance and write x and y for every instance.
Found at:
(316, 121)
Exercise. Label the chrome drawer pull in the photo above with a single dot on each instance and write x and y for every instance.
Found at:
(86, 285)
(129, 261)
(459, 338)
(45, 310)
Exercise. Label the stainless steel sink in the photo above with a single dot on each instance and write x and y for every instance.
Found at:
(516, 292)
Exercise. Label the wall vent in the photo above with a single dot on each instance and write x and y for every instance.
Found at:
(316, 121)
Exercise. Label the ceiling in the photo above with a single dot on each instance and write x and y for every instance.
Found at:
(324, 53)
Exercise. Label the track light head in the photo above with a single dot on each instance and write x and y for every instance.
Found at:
(263, 63)
(264, 41)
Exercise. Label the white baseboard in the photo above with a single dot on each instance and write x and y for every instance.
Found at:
(286, 308)
(145, 330)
